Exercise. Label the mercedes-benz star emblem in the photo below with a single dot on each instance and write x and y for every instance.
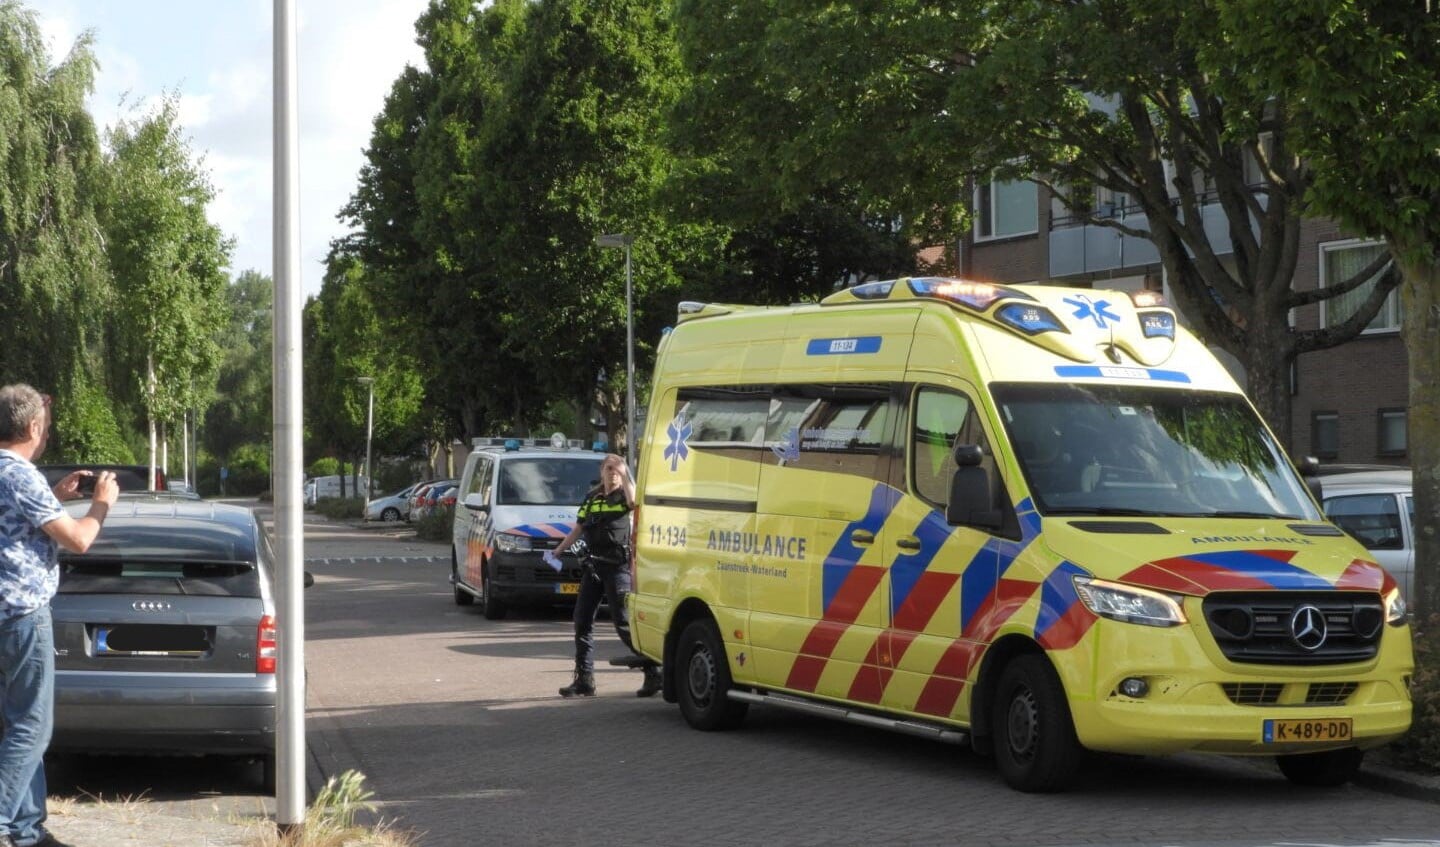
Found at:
(1308, 629)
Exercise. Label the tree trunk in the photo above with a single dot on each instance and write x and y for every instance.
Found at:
(1267, 364)
(150, 416)
(1420, 295)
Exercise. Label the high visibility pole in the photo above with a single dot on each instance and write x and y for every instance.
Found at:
(287, 479)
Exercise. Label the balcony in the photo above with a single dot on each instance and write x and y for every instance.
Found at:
(1077, 247)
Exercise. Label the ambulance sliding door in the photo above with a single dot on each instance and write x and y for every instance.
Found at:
(817, 590)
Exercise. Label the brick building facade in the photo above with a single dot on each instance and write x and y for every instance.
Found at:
(1349, 402)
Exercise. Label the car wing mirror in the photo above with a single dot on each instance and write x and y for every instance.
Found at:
(476, 502)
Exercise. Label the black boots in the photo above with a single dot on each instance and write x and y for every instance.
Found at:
(583, 685)
(653, 682)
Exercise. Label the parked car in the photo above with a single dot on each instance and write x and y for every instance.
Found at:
(1378, 509)
(431, 497)
(392, 507)
(516, 503)
(165, 634)
(128, 477)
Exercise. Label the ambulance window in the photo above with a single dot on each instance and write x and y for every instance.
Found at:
(943, 419)
(724, 417)
(838, 428)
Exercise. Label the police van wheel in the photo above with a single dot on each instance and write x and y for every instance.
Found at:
(1321, 770)
(462, 597)
(1035, 745)
(491, 606)
(703, 679)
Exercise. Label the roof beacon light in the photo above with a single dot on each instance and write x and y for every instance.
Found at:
(975, 295)
(1145, 299)
(512, 444)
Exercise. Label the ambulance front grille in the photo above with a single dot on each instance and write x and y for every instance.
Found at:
(1285, 627)
(1269, 693)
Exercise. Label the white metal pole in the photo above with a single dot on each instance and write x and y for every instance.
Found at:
(369, 430)
(629, 366)
(289, 526)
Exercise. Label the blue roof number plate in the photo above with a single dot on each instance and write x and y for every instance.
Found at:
(843, 346)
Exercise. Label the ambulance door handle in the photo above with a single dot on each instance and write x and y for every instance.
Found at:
(908, 542)
(862, 536)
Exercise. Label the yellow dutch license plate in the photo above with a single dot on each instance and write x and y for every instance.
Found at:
(1307, 731)
(567, 588)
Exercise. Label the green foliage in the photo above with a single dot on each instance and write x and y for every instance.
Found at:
(85, 430)
(341, 508)
(437, 525)
(1420, 748)
(391, 477)
(242, 408)
(325, 466)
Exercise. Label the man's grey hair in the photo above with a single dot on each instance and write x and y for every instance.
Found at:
(19, 406)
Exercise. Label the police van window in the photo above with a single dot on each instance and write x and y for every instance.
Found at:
(942, 420)
(723, 418)
(839, 428)
(483, 477)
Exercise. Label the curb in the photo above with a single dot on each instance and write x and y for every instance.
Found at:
(1393, 780)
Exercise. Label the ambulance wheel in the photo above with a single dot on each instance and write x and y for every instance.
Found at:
(703, 679)
(1035, 745)
(462, 597)
(491, 606)
(1321, 770)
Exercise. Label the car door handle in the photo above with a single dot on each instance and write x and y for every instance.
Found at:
(862, 536)
(908, 542)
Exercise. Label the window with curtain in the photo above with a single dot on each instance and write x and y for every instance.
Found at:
(1340, 262)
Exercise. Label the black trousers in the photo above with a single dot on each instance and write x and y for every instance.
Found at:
(602, 580)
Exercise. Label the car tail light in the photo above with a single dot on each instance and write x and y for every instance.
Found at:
(265, 647)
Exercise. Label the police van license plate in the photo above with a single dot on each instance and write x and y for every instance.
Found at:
(567, 588)
(1307, 731)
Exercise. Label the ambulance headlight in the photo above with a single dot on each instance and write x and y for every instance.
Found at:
(1396, 610)
(1129, 603)
(507, 542)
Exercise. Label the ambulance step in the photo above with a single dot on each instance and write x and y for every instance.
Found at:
(844, 713)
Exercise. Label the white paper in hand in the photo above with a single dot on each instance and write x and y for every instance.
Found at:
(552, 560)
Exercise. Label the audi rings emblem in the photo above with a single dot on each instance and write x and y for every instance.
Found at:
(1308, 628)
(150, 606)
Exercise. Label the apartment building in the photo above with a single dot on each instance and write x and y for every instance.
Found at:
(1349, 402)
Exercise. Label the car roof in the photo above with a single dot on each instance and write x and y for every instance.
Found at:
(541, 452)
(174, 526)
(128, 477)
(1399, 478)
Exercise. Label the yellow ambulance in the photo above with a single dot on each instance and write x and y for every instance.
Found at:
(1039, 520)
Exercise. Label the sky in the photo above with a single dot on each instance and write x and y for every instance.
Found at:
(215, 56)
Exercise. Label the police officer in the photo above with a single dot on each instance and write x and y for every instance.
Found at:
(604, 523)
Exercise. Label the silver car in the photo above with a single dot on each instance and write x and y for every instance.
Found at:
(1378, 509)
(392, 507)
(165, 634)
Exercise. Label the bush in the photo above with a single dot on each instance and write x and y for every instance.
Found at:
(1420, 748)
(341, 508)
(436, 525)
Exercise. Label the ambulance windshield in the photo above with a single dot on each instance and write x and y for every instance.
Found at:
(1140, 450)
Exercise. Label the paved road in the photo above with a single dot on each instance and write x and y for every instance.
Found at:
(455, 722)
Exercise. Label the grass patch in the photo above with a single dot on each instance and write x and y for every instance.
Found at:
(333, 820)
(341, 508)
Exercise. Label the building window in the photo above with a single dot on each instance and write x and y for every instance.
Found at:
(1004, 208)
(1338, 263)
(1391, 426)
(1325, 434)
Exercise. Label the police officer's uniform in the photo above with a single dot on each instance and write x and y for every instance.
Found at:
(605, 528)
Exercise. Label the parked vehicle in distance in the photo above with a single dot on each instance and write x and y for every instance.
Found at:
(391, 507)
(414, 499)
(1377, 507)
(516, 502)
(430, 498)
(319, 487)
(128, 477)
(165, 634)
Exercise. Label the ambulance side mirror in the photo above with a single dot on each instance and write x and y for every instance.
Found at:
(971, 503)
(1309, 468)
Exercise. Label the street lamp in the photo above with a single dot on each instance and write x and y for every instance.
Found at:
(621, 239)
(369, 383)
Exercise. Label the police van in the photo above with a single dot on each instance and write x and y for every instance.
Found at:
(1034, 519)
(516, 500)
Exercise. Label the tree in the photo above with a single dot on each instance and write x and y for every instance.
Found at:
(1358, 82)
(53, 273)
(167, 260)
(241, 413)
(908, 101)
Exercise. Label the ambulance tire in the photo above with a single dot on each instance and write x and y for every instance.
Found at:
(1330, 769)
(703, 679)
(492, 607)
(1035, 745)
